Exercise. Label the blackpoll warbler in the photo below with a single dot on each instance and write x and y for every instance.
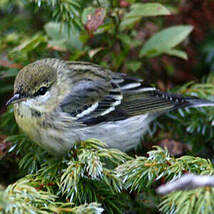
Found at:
(57, 103)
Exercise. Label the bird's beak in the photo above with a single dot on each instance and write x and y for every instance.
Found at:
(15, 99)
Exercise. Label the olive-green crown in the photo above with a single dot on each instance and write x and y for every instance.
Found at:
(36, 75)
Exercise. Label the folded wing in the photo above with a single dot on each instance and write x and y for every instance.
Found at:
(102, 96)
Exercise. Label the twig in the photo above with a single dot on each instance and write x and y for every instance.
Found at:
(186, 182)
(7, 64)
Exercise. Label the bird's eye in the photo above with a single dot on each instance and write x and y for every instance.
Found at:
(41, 91)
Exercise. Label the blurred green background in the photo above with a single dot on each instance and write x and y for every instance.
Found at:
(169, 44)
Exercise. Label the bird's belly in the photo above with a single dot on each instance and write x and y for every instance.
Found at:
(122, 135)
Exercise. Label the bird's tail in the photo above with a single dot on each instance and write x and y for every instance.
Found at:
(192, 102)
(179, 101)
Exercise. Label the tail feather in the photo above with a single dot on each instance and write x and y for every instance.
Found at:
(176, 101)
(196, 102)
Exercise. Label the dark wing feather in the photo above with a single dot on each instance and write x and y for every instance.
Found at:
(140, 98)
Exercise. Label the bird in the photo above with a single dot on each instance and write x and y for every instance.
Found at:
(58, 103)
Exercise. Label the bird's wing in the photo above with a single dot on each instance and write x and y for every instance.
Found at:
(98, 95)
(93, 93)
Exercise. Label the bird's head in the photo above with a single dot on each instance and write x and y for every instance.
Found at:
(35, 84)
